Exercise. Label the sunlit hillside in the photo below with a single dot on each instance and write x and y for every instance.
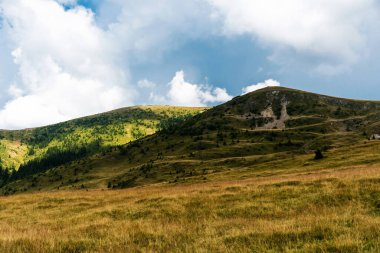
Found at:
(93, 133)
(274, 128)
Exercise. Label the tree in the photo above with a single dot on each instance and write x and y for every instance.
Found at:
(318, 155)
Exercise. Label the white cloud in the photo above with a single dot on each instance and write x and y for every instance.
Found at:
(184, 93)
(66, 67)
(333, 32)
(65, 59)
(58, 97)
(147, 29)
(15, 91)
(254, 87)
(146, 84)
(58, 64)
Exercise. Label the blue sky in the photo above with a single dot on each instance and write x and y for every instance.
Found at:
(235, 62)
(61, 59)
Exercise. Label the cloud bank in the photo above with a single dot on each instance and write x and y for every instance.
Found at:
(60, 60)
(335, 33)
(65, 63)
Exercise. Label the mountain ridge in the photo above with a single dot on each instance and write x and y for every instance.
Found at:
(241, 136)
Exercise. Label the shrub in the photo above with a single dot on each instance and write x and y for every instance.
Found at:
(318, 155)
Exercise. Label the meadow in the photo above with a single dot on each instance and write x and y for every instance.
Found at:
(321, 210)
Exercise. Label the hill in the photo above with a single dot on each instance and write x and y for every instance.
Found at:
(241, 177)
(276, 128)
(88, 135)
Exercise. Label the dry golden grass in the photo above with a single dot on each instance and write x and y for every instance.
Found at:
(335, 210)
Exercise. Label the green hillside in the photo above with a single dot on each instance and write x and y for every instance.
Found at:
(94, 133)
(270, 129)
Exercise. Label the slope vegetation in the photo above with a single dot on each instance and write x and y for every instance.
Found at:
(72, 140)
(268, 130)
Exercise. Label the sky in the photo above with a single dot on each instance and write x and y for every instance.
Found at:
(63, 59)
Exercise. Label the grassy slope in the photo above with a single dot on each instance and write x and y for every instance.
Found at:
(229, 141)
(215, 183)
(301, 210)
(109, 129)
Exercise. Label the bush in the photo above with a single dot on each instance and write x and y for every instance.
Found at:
(318, 155)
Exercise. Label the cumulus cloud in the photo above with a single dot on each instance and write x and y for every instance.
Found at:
(334, 33)
(71, 63)
(66, 68)
(254, 87)
(65, 98)
(59, 60)
(183, 93)
(147, 29)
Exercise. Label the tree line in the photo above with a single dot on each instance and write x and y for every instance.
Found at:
(54, 157)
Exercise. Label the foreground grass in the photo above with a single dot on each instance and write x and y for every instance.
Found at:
(335, 210)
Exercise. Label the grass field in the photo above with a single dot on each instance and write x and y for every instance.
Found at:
(321, 210)
(236, 178)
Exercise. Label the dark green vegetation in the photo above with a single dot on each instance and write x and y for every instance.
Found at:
(276, 127)
(30, 151)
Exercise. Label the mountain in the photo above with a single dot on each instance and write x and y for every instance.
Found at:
(89, 135)
(266, 130)
(276, 170)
